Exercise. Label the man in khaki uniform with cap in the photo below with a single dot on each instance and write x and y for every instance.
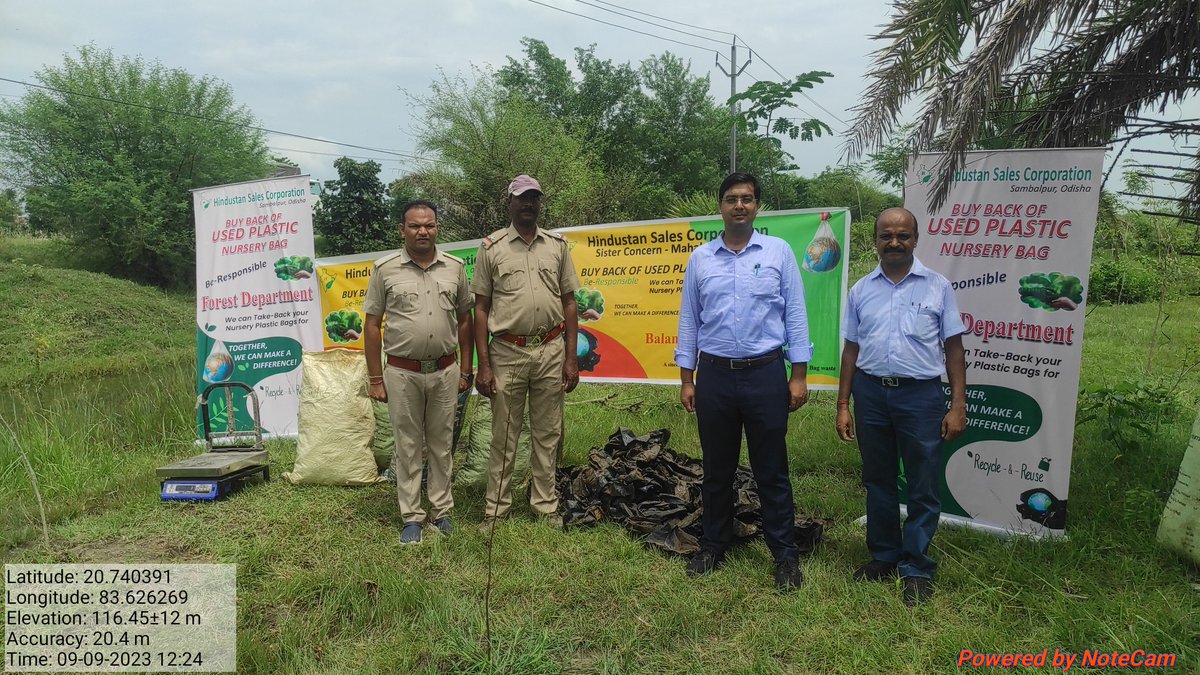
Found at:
(524, 287)
(424, 295)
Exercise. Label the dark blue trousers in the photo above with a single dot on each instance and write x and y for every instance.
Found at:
(893, 424)
(754, 400)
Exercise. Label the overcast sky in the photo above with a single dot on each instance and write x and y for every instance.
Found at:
(339, 70)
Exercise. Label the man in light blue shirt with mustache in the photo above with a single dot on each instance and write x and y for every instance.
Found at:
(902, 332)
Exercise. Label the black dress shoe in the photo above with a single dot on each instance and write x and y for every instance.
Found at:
(704, 562)
(917, 590)
(876, 570)
(787, 575)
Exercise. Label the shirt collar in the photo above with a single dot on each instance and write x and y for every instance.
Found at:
(756, 240)
(513, 234)
(438, 257)
(918, 269)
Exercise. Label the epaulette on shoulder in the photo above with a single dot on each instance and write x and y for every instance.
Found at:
(454, 258)
(555, 235)
(494, 237)
(387, 258)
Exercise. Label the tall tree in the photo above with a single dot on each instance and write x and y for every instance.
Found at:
(655, 127)
(601, 108)
(400, 192)
(10, 211)
(483, 137)
(767, 99)
(352, 215)
(108, 148)
(1099, 66)
(685, 135)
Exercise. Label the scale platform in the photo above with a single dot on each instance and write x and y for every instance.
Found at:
(213, 464)
(210, 488)
(232, 458)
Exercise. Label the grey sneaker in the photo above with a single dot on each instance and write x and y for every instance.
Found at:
(444, 525)
(411, 534)
(488, 526)
(553, 520)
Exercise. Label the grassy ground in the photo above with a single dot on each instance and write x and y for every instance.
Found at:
(324, 587)
(61, 324)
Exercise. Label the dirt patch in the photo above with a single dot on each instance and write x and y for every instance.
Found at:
(155, 549)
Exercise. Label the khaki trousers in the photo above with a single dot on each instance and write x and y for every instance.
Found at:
(534, 373)
(422, 407)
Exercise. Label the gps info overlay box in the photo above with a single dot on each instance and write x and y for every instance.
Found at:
(120, 618)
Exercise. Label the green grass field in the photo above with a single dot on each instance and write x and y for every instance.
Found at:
(324, 587)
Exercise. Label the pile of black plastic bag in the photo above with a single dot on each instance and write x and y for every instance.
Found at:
(654, 492)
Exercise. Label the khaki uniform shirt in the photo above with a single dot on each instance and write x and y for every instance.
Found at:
(420, 306)
(525, 281)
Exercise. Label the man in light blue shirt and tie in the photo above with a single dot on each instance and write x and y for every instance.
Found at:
(742, 313)
(902, 332)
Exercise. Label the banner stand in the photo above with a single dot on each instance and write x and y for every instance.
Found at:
(1014, 237)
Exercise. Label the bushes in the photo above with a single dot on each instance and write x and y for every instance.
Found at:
(1125, 281)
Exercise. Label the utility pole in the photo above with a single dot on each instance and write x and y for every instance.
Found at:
(732, 74)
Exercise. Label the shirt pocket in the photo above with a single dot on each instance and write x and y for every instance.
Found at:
(447, 296)
(406, 297)
(510, 278)
(548, 271)
(765, 283)
(922, 323)
(714, 282)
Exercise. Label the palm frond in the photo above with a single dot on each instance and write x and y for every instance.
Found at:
(1098, 65)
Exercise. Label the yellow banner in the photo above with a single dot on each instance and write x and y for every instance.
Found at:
(632, 278)
(343, 290)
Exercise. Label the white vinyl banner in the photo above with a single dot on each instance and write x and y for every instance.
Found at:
(1014, 236)
(257, 308)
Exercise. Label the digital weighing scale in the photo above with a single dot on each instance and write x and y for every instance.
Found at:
(232, 457)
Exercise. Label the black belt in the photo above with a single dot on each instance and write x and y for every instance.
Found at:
(893, 381)
(740, 364)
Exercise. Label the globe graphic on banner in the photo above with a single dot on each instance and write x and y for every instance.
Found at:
(1039, 502)
(218, 367)
(823, 254)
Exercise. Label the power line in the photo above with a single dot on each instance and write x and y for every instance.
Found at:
(686, 44)
(632, 30)
(810, 115)
(650, 23)
(217, 121)
(783, 78)
(332, 154)
(663, 18)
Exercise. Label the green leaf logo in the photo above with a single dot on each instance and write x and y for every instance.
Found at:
(206, 203)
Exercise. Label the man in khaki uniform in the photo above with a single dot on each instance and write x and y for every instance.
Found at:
(524, 287)
(424, 295)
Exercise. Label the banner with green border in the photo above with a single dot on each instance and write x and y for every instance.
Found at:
(632, 277)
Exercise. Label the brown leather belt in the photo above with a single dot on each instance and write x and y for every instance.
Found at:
(422, 366)
(532, 340)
